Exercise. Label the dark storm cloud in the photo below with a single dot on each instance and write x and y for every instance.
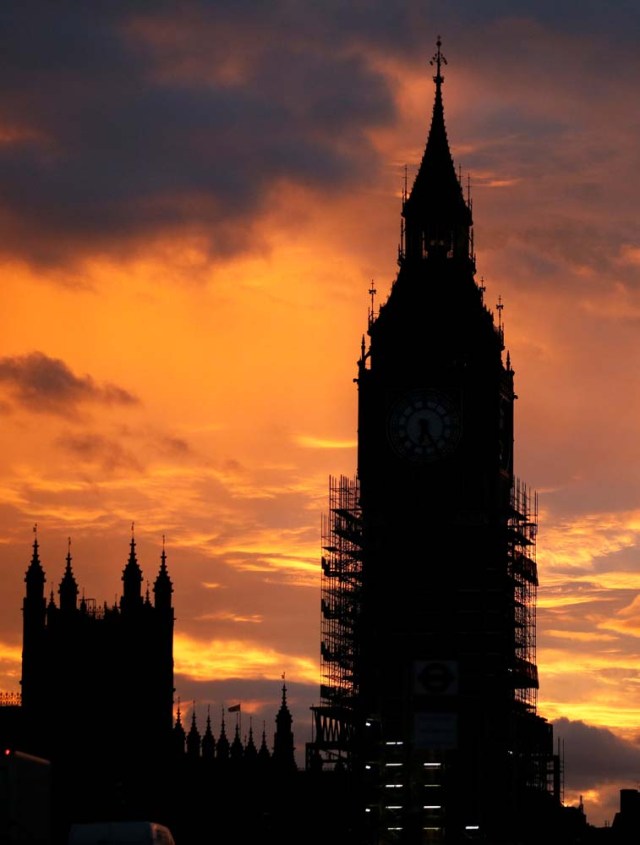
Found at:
(595, 755)
(108, 453)
(47, 385)
(126, 449)
(120, 121)
(105, 140)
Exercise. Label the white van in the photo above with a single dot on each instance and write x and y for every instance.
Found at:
(120, 833)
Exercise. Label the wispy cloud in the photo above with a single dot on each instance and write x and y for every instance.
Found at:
(309, 441)
(47, 385)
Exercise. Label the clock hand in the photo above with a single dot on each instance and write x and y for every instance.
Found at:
(425, 432)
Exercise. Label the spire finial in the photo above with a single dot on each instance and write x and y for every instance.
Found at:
(372, 294)
(500, 307)
(35, 565)
(482, 288)
(438, 60)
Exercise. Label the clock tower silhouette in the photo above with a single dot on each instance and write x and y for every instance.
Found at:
(429, 573)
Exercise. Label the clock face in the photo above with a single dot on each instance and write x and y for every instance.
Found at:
(423, 426)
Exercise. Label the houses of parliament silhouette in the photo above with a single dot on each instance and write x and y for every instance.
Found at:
(427, 730)
(97, 700)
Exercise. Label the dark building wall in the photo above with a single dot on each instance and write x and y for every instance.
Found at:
(97, 685)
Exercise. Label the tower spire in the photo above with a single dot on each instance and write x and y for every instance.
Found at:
(33, 618)
(193, 737)
(35, 576)
(68, 589)
(179, 734)
(222, 746)
(132, 579)
(283, 746)
(162, 586)
(208, 740)
(437, 218)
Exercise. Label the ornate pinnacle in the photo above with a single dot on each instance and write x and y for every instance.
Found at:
(438, 60)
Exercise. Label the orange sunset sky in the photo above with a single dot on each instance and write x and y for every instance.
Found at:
(194, 200)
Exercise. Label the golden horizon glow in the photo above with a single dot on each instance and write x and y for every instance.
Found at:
(228, 659)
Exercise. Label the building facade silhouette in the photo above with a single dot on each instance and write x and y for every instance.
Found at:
(429, 570)
(97, 701)
(97, 687)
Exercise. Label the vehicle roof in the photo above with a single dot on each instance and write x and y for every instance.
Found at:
(120, 833)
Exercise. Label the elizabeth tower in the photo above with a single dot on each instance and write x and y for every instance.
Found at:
(429, 632)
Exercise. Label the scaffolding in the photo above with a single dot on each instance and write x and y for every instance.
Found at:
(539, 766)
(341, 589)
(522, 568)
(340, 605)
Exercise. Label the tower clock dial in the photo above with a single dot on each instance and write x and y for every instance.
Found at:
(424, 426)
